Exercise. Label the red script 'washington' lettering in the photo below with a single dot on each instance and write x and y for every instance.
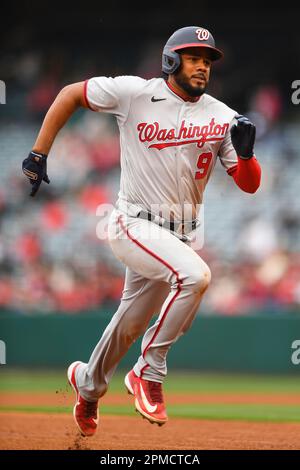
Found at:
(186, 134)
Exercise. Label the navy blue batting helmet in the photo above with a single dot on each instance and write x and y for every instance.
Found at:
(191, 36)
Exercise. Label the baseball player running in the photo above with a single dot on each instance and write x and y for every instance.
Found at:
(171, 133)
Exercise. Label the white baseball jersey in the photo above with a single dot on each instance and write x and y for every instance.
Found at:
(168, 150)
(169, 146)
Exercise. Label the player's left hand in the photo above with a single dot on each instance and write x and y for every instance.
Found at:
(35, 168)
(243, 137)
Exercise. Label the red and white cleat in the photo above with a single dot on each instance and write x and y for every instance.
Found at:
(85, 412)
(148, 398)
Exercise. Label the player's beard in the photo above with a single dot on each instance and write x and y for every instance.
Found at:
(184, 82)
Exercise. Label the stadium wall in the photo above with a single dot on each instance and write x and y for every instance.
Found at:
(261, 343)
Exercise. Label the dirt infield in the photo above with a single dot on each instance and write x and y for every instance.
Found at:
(65, 398)
(57, 431)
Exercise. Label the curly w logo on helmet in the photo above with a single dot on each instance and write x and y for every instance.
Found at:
(202, 34)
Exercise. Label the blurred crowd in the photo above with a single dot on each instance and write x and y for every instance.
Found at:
(271, 286)
(51, 260)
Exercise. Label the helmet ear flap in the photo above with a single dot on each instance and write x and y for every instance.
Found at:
(170, 61)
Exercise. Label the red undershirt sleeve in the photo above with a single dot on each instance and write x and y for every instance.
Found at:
(246, 174)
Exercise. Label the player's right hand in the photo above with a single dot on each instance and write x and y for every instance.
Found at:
(35, 168)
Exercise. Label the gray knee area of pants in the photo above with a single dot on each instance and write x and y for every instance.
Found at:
(197, 280)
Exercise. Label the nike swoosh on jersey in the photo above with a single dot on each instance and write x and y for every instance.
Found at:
(154, 100)
(149, 408)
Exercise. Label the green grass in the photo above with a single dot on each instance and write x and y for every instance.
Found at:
(21, 380)
(220, 383)
(252, 412)
(50, 381)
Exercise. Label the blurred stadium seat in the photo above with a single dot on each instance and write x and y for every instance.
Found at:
(50, 257)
